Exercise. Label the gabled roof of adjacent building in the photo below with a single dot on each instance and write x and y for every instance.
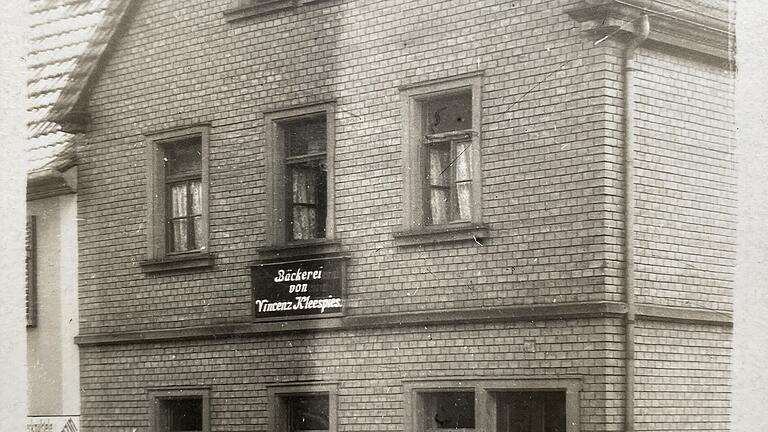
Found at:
(59, 35)
(68, 110)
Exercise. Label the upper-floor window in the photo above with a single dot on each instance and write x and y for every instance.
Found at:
(300, 144)
(441, 132)
(447, 123)
(178, 194)
(305, 177)
(183, 189)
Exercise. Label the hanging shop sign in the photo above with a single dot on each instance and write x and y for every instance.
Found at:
(312, 288)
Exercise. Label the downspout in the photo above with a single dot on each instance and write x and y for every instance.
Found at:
(629, 218)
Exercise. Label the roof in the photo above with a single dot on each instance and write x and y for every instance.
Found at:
(69, 109)
(60, 31)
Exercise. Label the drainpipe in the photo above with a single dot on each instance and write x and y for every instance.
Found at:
(629, 217)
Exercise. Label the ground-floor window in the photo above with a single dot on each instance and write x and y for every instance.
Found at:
(303, 408)
(180, 410)
(447, 410)
(522, 405)
(530, 411)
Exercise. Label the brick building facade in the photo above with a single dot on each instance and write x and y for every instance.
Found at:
(448, 179)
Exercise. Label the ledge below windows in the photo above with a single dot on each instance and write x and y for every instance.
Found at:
(528, 313)
(301, 249)
(242, 9)
(178, 262)
(441, 234)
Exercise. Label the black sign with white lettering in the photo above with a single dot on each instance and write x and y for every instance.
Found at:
(299, 289)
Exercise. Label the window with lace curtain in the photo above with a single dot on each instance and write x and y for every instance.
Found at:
(183, 186)
(448, 174)
(300, 159)
(177, 220)
(305, 177)
(441, 156)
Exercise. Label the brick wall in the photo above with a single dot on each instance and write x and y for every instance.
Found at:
(686, 183)
(683, 377)
(370, 367)
(551, 158)
(543, 155)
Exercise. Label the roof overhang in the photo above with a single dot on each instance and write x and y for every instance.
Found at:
(69, 110)
(58, 178)
(671, 28)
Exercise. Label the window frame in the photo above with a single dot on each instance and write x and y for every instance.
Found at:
(159, 395)
(486, 390)
(158, 232)
(421, 401)
(185, 179)
(279, 394)
(415, 155)
(275, 155)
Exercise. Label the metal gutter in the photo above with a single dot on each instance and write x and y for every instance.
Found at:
(629, 216)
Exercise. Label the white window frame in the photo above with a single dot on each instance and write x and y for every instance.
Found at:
(277, 219)
(413, 98)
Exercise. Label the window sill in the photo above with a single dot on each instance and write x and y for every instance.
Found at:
(246, 9)
(300, 249)
(178, 262)
(441, 234)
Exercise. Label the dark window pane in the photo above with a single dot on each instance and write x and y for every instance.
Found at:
(448, 113)
(305, 137)
(183, 157)
(531, 412)
(450, 410)
(185, 414)
(308, 412)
